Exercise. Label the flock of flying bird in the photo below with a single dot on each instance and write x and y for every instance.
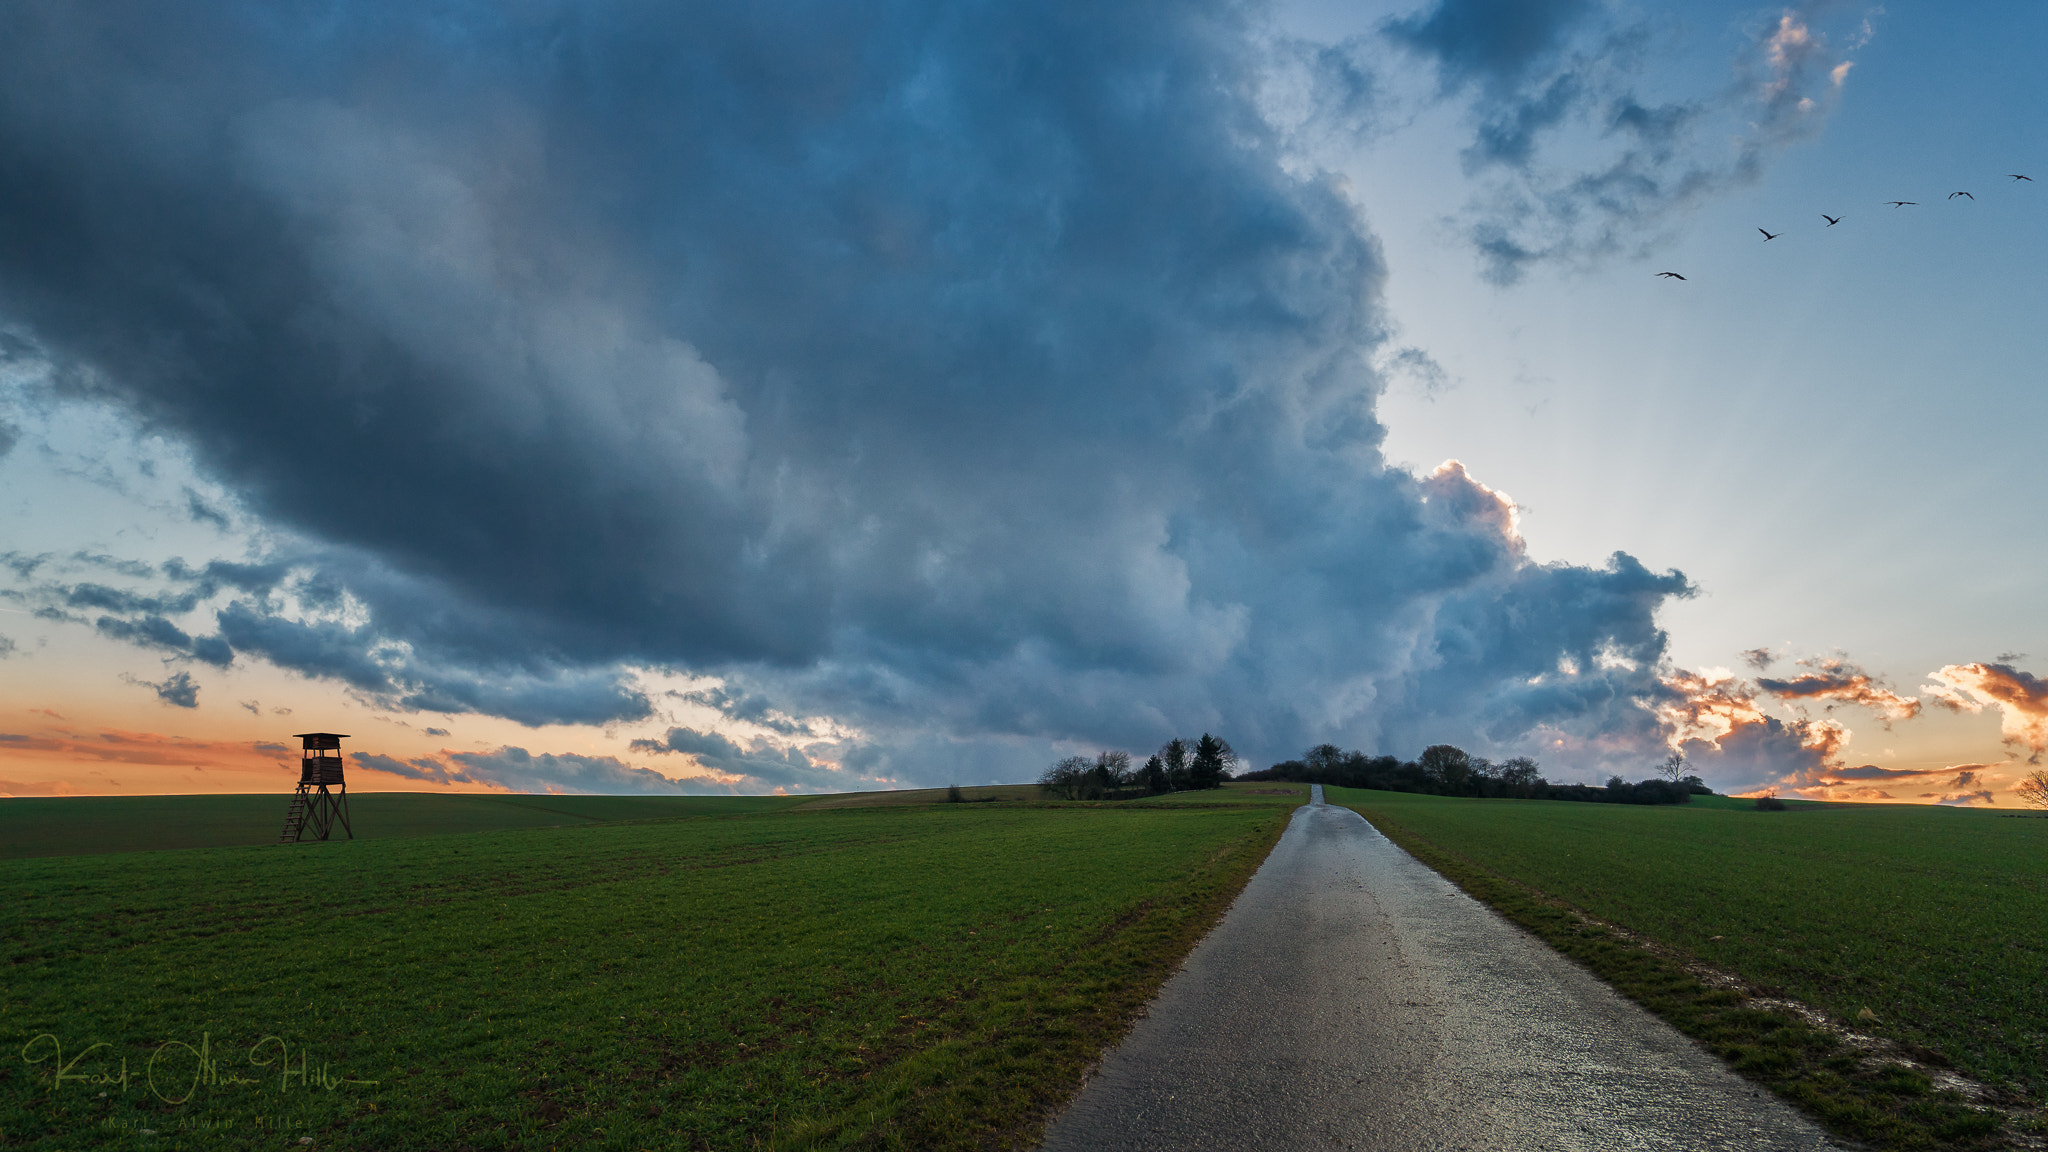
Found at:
(1834, 220)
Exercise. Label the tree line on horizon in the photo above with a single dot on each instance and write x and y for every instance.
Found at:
(1178, 766)
(1446, 770)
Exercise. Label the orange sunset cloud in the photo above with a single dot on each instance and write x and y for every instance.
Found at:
(2022, 700)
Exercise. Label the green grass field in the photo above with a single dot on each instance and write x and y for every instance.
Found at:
(1935, 919)
(876, 976)
(89, 825)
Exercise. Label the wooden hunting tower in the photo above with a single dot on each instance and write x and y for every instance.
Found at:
(322, 799)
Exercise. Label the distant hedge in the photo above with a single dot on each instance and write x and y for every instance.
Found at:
(1444, 770)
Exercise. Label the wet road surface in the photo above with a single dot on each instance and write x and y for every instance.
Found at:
(1352, 998)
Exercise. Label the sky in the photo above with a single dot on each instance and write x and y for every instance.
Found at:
(647, 398)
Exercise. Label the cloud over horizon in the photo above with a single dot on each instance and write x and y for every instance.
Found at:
(515, 769)
(985, 379)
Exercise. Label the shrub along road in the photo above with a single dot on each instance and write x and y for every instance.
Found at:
(1353, 998)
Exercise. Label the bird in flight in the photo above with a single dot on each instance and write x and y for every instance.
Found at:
(1673, 275)
(1908, 203)
(2017, 176)
(1953, 195)
(1832, 220)
(1770, 236)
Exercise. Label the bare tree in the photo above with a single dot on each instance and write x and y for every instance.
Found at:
(2034, 789)
(1673, 768)
(1113, 769)
(1068, 778)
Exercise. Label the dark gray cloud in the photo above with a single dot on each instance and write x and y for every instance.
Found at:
(373, 659)
(178, 690)
(1501, 647)
(1494, 44)
(749, 708)
(1765, 753)
(1834, 681)
(1318, 95)
(152, 631)
(90, 595)
(1871, 772)
(200, 510)
(1419, 368)
(981, 377)
(1575, 160)
(226, 574)
(119, 565)
(517, 770)
(424, 768)
(399, 642)
(1954, 784)
(1964, 799)
(761, 763)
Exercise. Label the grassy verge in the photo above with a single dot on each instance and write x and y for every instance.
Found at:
(1933, 920)
(878, 977)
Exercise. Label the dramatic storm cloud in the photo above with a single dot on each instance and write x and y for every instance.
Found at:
(978, 376)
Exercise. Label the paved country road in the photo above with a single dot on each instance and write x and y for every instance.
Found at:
(1352, 998)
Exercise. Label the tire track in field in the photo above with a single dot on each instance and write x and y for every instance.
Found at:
(1352, 998)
